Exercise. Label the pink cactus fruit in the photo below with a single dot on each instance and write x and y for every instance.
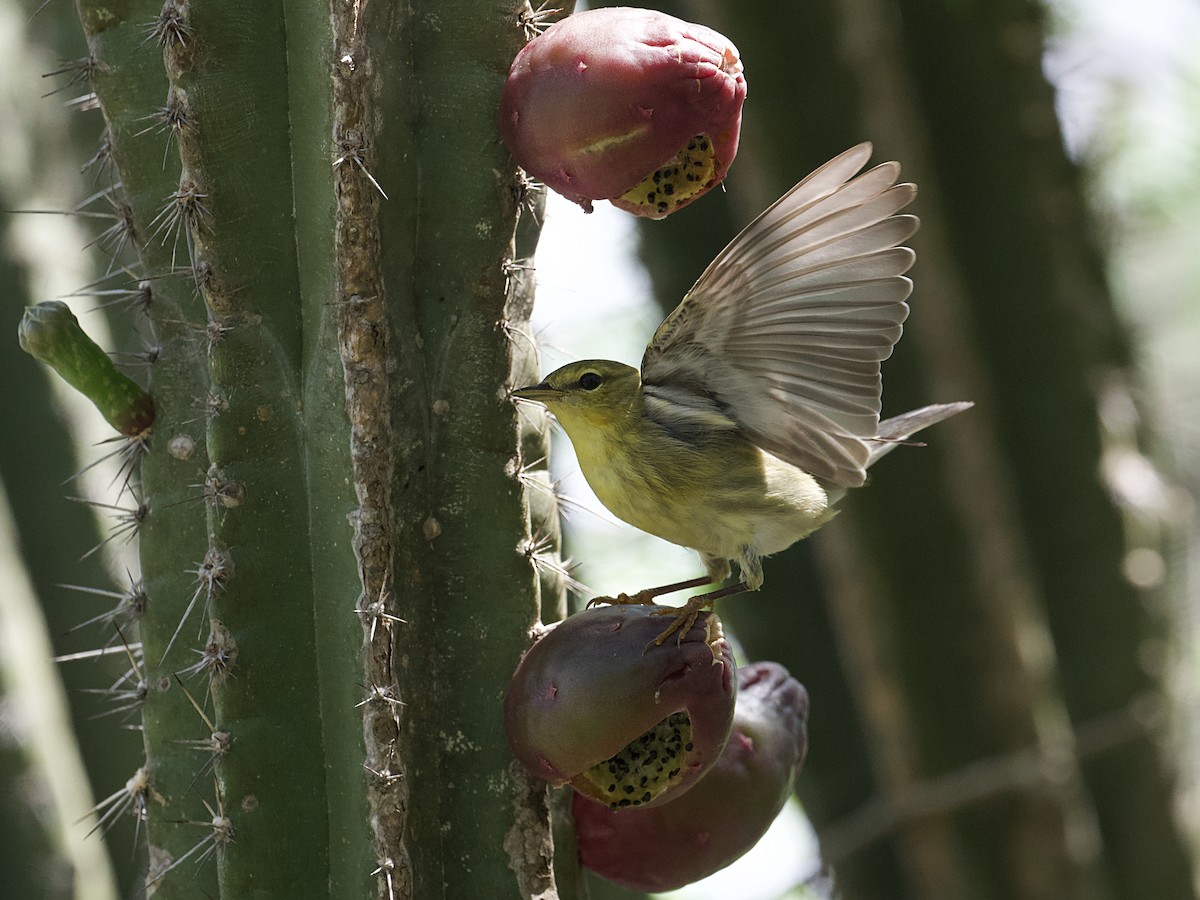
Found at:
(725, 813)
(627, 105)
(625, 721)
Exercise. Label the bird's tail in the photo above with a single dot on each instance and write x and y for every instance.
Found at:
(898, 429)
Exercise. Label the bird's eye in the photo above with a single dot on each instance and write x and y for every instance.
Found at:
(589, 381)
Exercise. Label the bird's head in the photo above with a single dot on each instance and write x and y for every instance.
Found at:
(598, 392)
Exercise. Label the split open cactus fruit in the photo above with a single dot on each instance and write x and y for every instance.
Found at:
(597, 704)
(627, 105)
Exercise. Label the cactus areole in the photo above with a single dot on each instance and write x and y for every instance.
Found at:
(627, 105)
(627, 722)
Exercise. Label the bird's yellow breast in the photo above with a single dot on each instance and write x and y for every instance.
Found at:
(717, 493)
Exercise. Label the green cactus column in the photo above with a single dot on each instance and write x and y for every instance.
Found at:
(455, 338)
(337, 555)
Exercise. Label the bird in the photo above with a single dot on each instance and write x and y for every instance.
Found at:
(757, 403)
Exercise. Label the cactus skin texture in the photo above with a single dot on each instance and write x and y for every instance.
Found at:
(336, 480)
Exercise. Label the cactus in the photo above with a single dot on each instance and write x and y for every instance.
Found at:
(345, 539)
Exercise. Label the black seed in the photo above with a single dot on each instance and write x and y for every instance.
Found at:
(646, 797)
(689, 746)
(650, 197)
(629, 788)
(662, 207)
(621, 803)
(672, 773)
(612, 788)
(704, 145)
(658, 175)
(645, 779)
(669, 189)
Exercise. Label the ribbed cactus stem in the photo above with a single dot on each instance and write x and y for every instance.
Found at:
(336, 555)
(462, 584)
(130, 82)
(50, 332)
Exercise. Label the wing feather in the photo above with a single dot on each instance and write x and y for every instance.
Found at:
(783, 334)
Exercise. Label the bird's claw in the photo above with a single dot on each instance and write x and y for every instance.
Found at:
(641, 598)
(685, 618)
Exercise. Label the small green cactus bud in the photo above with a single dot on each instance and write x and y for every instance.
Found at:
(627, 105)
(728, 810)
(627, 722)
(50, 332)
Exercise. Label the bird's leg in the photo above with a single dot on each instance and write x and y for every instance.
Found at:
(646, 597)
(750, 563)
(686, 615)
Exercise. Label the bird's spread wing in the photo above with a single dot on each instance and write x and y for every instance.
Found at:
(783, 334)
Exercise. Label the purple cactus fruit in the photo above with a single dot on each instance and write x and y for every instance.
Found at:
(725, 813)
(627, 105)
(598, 704)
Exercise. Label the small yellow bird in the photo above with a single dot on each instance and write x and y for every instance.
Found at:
(758, 399)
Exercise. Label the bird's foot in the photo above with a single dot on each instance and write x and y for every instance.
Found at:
(686, 615)
(684, 618)
(619, 600)
(647, 596)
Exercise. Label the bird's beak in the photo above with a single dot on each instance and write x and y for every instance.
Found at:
(542, 392)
